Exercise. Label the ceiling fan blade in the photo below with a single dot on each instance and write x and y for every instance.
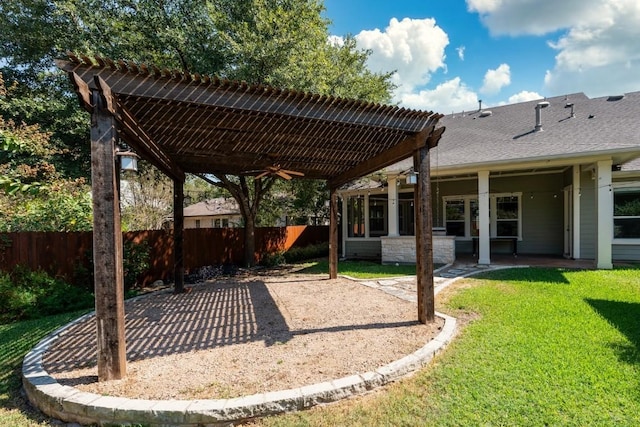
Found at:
(262, 174)
(282, 174)
(290, 172)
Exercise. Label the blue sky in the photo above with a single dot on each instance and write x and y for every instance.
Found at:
(449, 54)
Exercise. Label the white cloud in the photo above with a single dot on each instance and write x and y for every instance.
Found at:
(335, 40)
(538, 17)
(494, 80)
(598, 52)
(412, 47)
(524, 96)
(460, 51)
(450, 96)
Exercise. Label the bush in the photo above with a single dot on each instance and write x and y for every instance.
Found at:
(273, 259)
(26, 294)
(307, 252)
(135, 261)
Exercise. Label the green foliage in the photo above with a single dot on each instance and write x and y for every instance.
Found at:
(136, 258)
(26, 294)
(272, 259)
(147, 199)
(297, 254)
(64, 208)
(283, 43)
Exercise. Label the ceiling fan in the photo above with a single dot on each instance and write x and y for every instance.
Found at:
(277, 170)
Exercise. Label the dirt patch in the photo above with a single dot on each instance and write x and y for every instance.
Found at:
(244, 335)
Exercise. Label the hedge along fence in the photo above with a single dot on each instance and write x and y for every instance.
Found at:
(63, 254)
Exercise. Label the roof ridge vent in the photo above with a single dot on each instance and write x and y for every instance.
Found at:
(485, 113)
(539, 107)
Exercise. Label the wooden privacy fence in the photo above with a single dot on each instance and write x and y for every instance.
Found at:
(63, 254)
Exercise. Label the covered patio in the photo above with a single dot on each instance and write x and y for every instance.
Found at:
(189, 123)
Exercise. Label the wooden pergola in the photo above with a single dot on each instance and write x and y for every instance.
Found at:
(190, 123)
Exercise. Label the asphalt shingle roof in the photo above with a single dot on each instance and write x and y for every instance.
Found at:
(217, 206)
(507, 135)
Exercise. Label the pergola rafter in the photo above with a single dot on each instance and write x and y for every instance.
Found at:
(190, 123)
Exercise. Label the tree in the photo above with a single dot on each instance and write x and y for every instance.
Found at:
(33, 196)
(283, 43)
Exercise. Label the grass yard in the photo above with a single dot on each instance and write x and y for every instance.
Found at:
(540, 347)
(544, 347)
(16, 339)
(362, 269)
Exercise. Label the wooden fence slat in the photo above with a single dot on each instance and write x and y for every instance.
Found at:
(60, 254)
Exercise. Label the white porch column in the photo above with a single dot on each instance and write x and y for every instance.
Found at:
(392, 205)
(366, 215)
(484, 244)
(604, 206)
(576, 211)
(345, 225)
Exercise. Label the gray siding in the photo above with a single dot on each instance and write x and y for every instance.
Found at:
(363, 249)
(542, 211)
(588, 220)
(626, 252)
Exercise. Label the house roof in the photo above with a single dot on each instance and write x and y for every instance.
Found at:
(213, 207)
(506, 136)
(184, 122)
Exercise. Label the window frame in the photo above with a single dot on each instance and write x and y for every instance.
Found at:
(493, 220)
(631, 185)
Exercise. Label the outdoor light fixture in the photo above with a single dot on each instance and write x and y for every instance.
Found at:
(412, 178)
(128, 160)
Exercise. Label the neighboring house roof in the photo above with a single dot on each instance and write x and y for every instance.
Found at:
(213, 207)
(606, 125)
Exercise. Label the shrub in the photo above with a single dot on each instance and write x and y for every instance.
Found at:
(26, 294)
(135, 261)
(273, 259)
(307, 252)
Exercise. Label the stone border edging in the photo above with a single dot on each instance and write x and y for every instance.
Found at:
(72, 405)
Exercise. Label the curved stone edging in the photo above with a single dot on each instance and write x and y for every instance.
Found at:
(72, 405)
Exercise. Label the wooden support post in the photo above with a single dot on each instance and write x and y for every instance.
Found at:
(424, 232)
(107, 245)
(333, 233)
(178, 236)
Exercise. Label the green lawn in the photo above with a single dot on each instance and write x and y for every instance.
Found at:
(362, 269)
(541, 347)
(16, 339)
(547, 347)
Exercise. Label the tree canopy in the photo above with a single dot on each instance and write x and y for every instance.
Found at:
(282, 43)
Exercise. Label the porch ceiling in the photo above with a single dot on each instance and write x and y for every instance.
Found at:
(199, 124)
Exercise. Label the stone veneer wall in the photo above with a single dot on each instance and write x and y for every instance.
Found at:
(402, 249)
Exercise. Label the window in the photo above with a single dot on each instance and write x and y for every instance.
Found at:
(217, 224)
(626, 213)
(378, 215)
(461, 215)
(455, 217)
(507, 214)
(225, 222)
(355, 216)
(197, 223)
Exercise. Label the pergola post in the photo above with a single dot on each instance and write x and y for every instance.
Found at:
(333, 233)
(178, 236)
(107, 244)
(424, 243)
